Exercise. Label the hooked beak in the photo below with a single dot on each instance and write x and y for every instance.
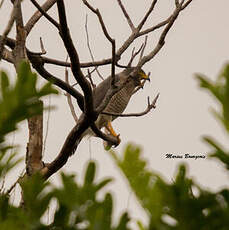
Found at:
(145, 77)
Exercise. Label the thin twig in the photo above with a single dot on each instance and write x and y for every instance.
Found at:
(121, 66)
(143, 49)
(141, 24)
(90, 78)
(162, 37)
(7, 30)
(148, 109)
(121, 50)
(43, 51)
(89, 48)
(111, 40)
(127, 16)
(134, 54)
(153, 28)
(47, 125)
(43, 12)
(87, 76)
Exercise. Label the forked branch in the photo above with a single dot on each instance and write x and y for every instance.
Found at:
(132, 27)
(109, 38)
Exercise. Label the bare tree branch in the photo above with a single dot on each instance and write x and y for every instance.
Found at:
(47, 125)
(38, 65)
(112, 41)
(141, 24)
(37, 15)
(177, 3)
(126, 16)
(82, 65)
(106, 137)
(161, 40)
(90, 78)
(158, 26)
(121, 50)
(89, 115)
(7, 30)
(186, 4)
(134, 54)
(84, 84)
(143, 48)
(148, 109)
(43, 51)
(50, 19)
(67, 149)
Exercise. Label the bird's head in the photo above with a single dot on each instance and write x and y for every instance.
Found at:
(140, 77)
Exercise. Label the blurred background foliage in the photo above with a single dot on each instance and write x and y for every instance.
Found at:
(180, 205)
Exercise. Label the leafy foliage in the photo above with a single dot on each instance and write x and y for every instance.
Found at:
(77, 205)
(220, 90)
(18, 102)
(175, 201)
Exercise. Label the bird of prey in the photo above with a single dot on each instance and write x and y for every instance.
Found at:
(119, 101)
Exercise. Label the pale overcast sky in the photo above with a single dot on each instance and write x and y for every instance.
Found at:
(198, 42)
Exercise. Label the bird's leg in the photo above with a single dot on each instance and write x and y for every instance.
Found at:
(110, 129)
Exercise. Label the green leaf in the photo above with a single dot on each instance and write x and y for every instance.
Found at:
(90, 173)
(103, 183)
(218, 151)
(142, 181)
(4, 85)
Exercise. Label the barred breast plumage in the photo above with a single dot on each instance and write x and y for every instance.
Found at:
(117, 104)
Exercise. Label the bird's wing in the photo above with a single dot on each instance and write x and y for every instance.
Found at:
(100, 91)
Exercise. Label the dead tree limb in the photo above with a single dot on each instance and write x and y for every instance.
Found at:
(37, 15)
(132, 27)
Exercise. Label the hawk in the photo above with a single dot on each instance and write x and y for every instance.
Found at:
(119, 101)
